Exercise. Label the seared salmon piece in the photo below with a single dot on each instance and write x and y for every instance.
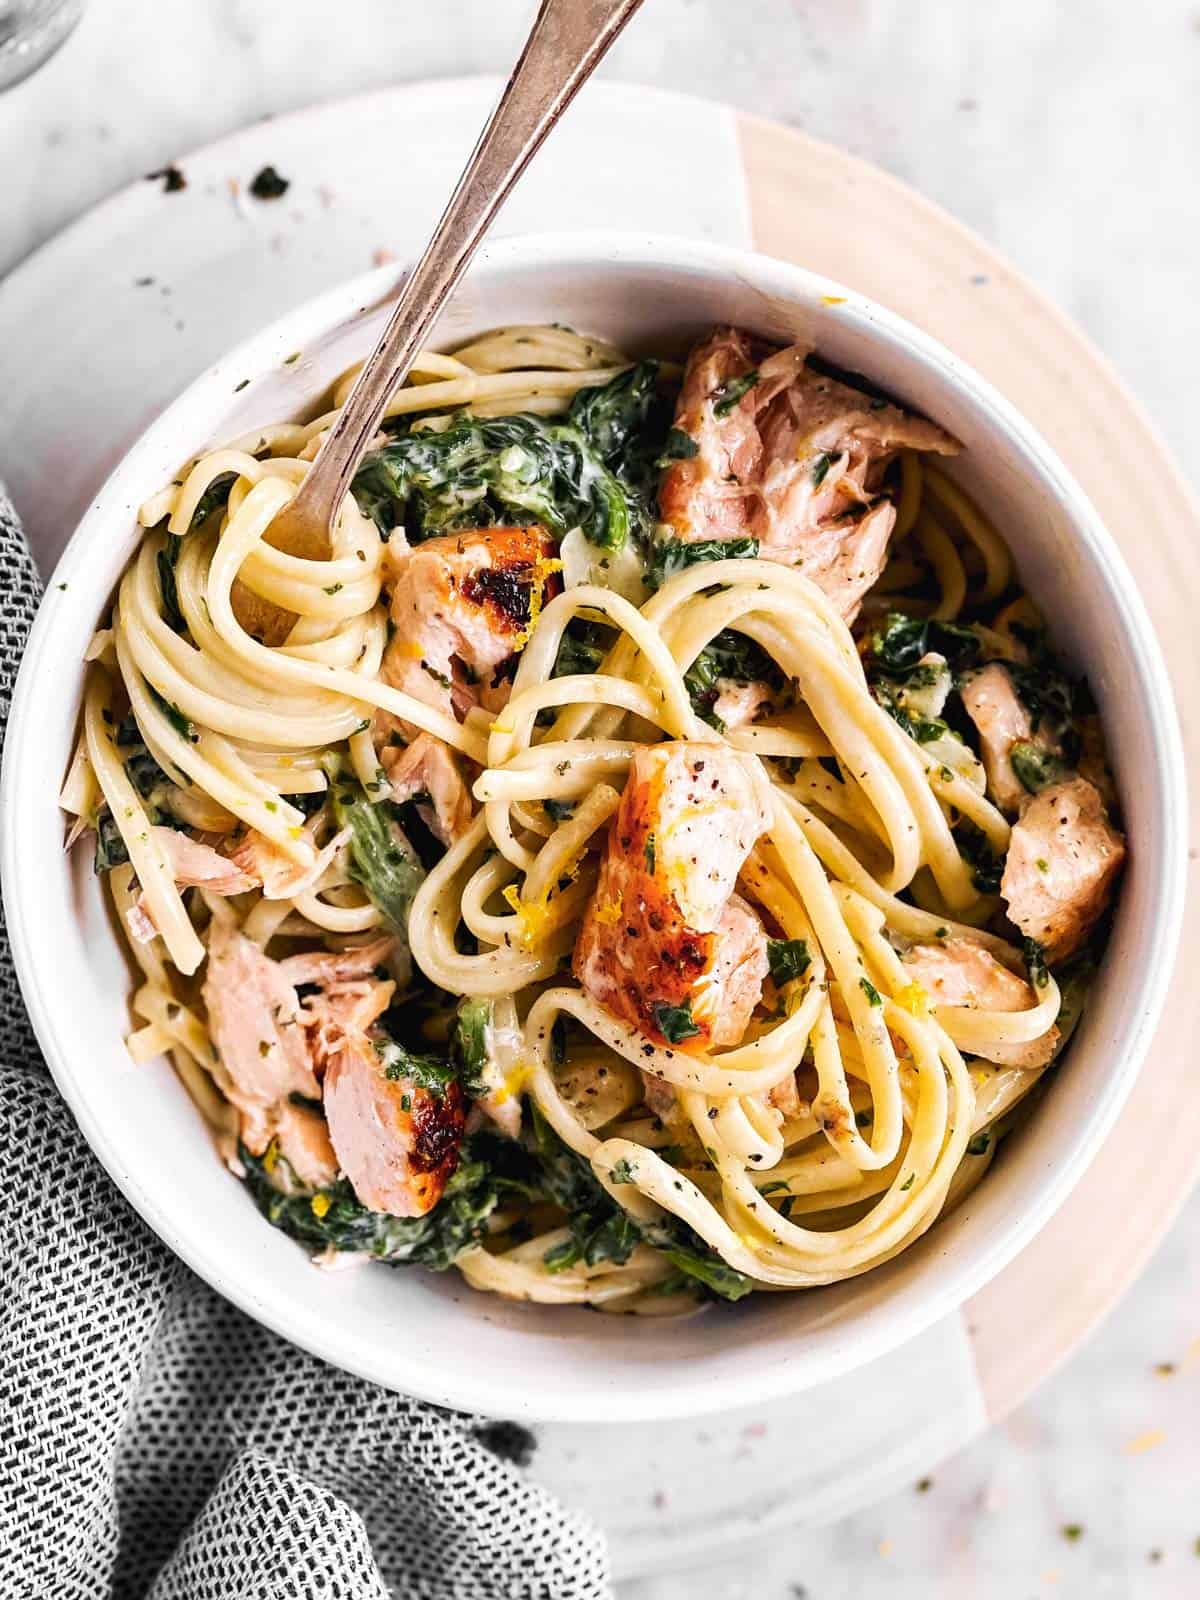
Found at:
(461, 606)
(789, 457)
(665, 943)
(254, 1016)
(396, 1141)
(993, 705)
(1063, 861)
(956, 972)
(429, 767)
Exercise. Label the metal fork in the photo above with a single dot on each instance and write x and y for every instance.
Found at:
(566, 43)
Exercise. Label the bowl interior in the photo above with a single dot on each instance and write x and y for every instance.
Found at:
(432, 1335)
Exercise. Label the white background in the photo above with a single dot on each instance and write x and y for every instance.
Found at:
(1068, 134)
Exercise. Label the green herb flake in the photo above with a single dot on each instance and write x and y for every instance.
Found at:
(1072, 1531)
(979, 1144)
(819, 470)
(728, 395)
(650, 853)
(421, 1071)
(675, 1023)
(871, 992)
(908, 1183)
(438, 677)
(788, 959)
(623, 1171)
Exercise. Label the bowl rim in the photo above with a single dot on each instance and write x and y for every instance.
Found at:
(446, 1382)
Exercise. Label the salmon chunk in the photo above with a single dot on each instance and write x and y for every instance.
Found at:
(254, 1016)
(302, 1140)
(789, 457)
(429, 767)
(1063, 860)
(279, 875)
(956, 972)
(739, 704)
(196, 865)
(461, 606)
(991, 701)
(666, 944)
(396, 1141)
(352, 991)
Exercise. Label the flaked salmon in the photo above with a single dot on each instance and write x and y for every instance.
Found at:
(958, 972)
(790, 457)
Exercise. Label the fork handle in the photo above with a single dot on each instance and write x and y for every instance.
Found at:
(565, 44)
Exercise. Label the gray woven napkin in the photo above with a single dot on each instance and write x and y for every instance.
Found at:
(155, 1442)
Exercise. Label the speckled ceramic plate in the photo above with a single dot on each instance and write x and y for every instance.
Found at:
(137, 297)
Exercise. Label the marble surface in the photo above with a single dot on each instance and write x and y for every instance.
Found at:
(1068, 136)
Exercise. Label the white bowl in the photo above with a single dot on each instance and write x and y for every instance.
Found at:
(430, 1335)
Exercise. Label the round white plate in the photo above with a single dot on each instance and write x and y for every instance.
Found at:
(110, 320)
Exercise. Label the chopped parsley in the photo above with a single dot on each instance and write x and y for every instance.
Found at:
(788, 959)
(871, 992)
(675, 1023)
(422, 1071)
(728, 395)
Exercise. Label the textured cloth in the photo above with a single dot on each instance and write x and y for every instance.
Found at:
(155, 1442)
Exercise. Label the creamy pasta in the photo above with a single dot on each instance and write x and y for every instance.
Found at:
(659, 862)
